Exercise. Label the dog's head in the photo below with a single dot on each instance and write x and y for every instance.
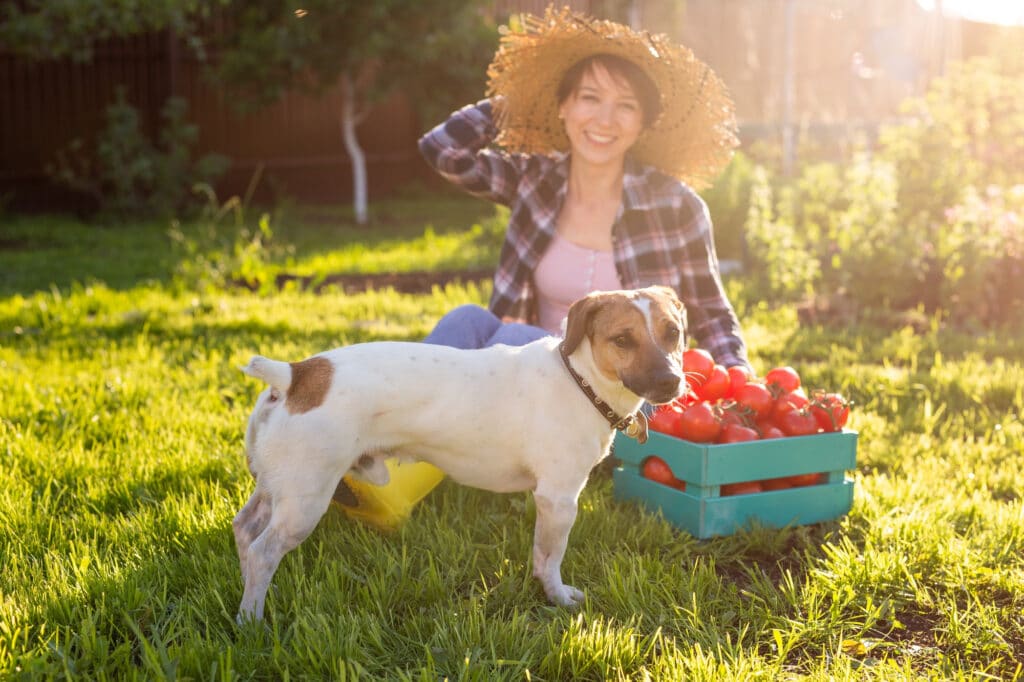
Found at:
(636, 337)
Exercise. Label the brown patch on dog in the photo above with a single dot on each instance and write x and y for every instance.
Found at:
(310, 380)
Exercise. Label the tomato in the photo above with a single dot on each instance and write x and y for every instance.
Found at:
(656, 469)
(786, 378)
(716, 386)
(792, 400)
(744, 488)
(736, 433)
(697, 365)
(797, 422)
(738, 376)
(776, 483)
(679, 485)
(666, 419)
(831, 410)
(699, 424)
(769, 431)
(800, 480)
(756, 398)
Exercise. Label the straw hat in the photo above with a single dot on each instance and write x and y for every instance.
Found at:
(692, 139)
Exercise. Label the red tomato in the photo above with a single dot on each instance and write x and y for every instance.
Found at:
(769, 431)
(716, 386)
(787, 402)
(679, 485)
(666, 419)
(656, 469)
(699, 423)
(831, 410)
(736, 433)
(797, 422)
(786, 378)
(776, 483)
(801, 480)
(697, 365)
(738, 376)
(756, 398)
(744, 488)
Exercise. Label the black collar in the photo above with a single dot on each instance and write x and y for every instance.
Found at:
(633, 425)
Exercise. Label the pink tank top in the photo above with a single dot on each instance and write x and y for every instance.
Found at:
(567, 272)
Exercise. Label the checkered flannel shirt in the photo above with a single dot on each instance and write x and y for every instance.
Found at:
(662, 234)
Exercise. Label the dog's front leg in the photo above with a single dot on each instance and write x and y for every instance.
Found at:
(556, 513)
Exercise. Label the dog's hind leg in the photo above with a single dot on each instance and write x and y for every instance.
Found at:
(250, 521)
(292, 518)
(556, 513)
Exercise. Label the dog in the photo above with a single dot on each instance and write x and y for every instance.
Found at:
(505, 419)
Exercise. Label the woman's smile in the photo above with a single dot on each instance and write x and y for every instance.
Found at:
(602, 118)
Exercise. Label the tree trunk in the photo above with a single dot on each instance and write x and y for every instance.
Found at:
(350, 118)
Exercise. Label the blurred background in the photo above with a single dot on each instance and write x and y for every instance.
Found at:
(809, 77)
(881, 165)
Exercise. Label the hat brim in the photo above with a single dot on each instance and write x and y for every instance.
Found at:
(693, 138)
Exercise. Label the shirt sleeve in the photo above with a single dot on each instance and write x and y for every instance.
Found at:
(459, 149)
(711, 317)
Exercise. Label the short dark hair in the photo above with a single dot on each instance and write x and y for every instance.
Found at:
(621, 69)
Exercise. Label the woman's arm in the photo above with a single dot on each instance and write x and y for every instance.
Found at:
(459, 150)
(712, 319)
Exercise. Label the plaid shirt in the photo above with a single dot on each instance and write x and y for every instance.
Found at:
(662, 234)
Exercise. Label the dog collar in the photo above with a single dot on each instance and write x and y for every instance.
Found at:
(633, 425)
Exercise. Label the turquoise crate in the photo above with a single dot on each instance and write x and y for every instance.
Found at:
(704, 513)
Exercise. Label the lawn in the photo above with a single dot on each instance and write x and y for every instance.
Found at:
(121, 467)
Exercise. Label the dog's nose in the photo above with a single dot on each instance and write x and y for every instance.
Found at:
(666, 385)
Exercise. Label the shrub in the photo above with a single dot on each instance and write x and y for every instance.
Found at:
(981, 249)
(128, 175)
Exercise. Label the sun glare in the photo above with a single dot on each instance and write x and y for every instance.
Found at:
(1002, 12)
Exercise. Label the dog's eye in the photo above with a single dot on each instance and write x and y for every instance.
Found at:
(623, 341)
(672, 335)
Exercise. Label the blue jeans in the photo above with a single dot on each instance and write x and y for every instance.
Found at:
(470, 326)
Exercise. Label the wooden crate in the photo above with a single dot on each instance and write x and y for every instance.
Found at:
(703, 512)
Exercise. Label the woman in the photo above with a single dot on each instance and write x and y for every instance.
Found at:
(604, 134)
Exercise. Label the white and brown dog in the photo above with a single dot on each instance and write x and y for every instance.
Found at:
(504, 419)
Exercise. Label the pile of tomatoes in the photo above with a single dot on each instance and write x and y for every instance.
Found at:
(731, 406)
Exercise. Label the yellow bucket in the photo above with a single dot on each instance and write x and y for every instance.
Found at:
(387, 506)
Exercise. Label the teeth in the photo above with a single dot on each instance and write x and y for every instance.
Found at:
(603, 139)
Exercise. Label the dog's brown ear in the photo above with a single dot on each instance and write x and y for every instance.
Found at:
(578, 320)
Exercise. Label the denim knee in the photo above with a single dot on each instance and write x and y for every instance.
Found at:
(467, 326)
(516, 334)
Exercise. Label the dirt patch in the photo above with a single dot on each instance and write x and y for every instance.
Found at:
(402, 282)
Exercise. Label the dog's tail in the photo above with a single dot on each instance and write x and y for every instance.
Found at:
(276, 373)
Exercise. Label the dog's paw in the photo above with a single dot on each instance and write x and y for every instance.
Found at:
(565, 595)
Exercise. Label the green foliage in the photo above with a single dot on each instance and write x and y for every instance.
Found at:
(50, 29)
(221, 249)
(728, 202)
(965, 131)
(128, 174)
(981, 249)
(931, 221)
(777, 250)
(431, 51)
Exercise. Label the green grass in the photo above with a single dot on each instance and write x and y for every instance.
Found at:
(121, 467)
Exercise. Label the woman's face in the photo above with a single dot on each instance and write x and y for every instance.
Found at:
(603, 117)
